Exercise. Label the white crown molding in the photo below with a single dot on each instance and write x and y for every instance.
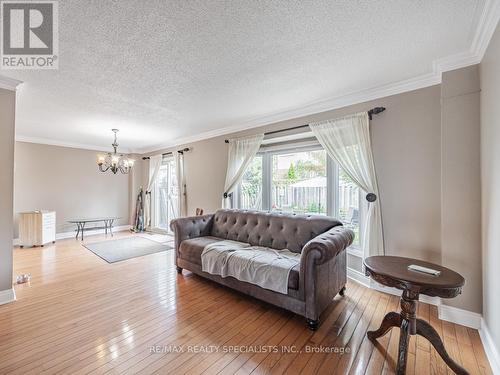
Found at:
(439, 66)
(319, 106)
(486, 25)
(488, 20)
(8, 83)
(457, 61)
(6, 296)
(490, 348)
(82, 146)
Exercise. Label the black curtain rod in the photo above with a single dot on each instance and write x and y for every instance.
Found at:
(375, 111)
(371, 112)
(169, 153)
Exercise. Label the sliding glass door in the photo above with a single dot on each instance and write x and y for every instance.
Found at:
(164, 197)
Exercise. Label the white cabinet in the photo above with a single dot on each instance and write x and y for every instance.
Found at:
(37, 228)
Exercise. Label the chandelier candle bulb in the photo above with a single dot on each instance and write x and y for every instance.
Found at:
(113, 161)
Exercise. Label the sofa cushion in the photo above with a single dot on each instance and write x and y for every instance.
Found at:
(190, 250)
(275, 230)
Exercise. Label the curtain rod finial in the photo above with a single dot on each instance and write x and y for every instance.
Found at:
(375, 111)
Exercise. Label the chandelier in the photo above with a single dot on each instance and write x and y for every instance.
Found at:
(114, 161)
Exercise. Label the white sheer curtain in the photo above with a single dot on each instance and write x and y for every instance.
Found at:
(240, 154)
(181, 185)
(172, 194)
(154, 167)
(347, 141)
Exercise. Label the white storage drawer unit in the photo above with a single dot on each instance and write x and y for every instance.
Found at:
(37, 228)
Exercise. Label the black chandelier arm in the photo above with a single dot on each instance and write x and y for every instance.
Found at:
(124, 170)
(115, 168)
(115, 162)
(103, 170)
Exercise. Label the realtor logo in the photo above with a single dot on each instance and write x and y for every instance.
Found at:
(29, 35)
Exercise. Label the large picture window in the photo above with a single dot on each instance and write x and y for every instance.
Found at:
(303, 181)
(298, 182)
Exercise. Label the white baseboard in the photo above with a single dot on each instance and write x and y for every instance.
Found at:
(459, 316)
(359, 277)
(7, 296)
(490, 348)
(369, 283)
(448, 313)
(90, 232)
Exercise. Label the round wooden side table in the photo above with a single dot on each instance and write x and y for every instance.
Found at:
(393, 272)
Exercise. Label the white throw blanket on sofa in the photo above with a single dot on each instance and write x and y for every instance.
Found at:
(262, 266)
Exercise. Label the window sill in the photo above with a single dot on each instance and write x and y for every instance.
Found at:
(355, 251)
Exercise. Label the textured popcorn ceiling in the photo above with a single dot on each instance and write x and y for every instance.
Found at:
(164, 70)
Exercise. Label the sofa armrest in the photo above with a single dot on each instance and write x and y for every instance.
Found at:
(185, 228)
(327, 245)
(323, 270)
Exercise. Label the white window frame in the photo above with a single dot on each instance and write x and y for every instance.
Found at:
(332, 174)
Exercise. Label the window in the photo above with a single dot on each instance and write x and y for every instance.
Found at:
(304, 181)
(298, 182)
(164, 196)
(251, 185)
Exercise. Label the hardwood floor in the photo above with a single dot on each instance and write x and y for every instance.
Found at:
(81, 315)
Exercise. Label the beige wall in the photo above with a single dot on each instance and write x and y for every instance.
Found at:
(7, 125)
(205, 170)
(406, 143)
(461, 182)
(67, 180)
(490, 178)
(425, 209)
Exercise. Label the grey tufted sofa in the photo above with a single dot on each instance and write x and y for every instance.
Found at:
(312, 284)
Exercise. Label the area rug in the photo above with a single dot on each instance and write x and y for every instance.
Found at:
(161, 238)
(126, 248)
